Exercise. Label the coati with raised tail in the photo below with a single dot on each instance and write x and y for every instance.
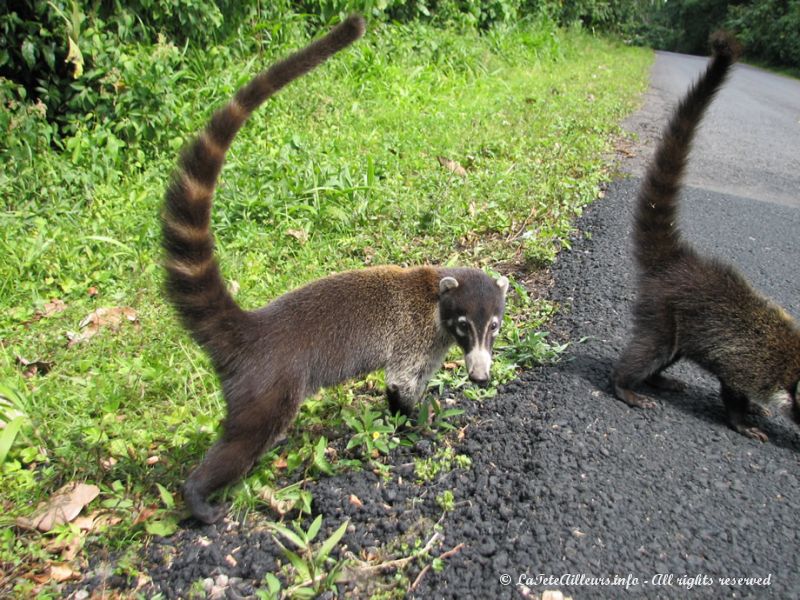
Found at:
(402, 320)
(699, 308)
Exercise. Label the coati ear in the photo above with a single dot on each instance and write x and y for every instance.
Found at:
(502, 283)
(446, 284)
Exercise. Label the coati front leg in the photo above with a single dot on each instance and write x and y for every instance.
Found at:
(251, 426)
(737, 405)
(404, 393)
(406, 383)
(647, 354)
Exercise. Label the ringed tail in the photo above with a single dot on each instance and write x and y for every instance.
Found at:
(194, 284)
(657, 239)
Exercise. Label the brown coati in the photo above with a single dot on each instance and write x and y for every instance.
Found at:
(402, 320)
(699, 308)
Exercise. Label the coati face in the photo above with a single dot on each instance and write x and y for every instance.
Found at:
(471, 306)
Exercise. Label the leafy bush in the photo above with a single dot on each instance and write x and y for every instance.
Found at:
(769, 29)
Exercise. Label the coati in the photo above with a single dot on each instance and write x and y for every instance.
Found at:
(402, 320)
(695, 307)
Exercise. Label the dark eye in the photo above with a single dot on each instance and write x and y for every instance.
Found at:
(493, 325)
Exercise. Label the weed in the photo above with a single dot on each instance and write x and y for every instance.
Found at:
(313, 570)
(444, 460)
(446, 500)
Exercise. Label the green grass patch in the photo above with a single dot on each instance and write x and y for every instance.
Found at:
(339, 171)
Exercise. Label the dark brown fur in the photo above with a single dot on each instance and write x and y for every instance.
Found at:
(699, 308)
(335, 328)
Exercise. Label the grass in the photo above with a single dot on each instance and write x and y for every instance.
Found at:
(337, 172)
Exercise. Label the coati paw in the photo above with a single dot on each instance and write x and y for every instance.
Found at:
(752, 432)
(208, 514)
(397, 404)
(631, 398)
(201, 510)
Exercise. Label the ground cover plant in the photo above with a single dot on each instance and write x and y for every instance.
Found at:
(421, 144)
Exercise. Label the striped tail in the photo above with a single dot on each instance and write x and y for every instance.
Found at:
(657, 239)
(194, 283)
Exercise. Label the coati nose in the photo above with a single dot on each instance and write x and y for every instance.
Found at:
(481, 380)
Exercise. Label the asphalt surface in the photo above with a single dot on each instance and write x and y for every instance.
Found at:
(570, 489)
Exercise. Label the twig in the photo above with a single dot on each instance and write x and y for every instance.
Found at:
(443, 555)
(419, 578)
(452, 551)
(399, 563)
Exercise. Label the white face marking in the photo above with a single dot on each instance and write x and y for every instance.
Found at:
(462, 325)
(479, 363)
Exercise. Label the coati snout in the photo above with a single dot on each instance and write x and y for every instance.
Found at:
(402, 320)
(698, 308)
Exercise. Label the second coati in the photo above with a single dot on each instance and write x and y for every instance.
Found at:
(699, 308)
(402, 320)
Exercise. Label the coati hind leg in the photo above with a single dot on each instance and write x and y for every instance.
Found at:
(737, 406)
(647, 354)
(246, 433)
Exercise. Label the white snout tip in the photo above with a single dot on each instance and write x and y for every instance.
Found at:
(479, 364)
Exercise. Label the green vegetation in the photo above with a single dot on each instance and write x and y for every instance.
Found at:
(341, 170)
(768, 29)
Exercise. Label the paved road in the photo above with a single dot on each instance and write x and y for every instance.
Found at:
(566, 480)
(749, 145)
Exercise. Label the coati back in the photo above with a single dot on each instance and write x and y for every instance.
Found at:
(699, 308)
(335, 328)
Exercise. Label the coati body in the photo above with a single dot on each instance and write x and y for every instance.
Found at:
(335, 328)
(699, 308)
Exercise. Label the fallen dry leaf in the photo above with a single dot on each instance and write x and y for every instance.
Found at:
(452, 166)
(67, 547)
(301, 235)
(356, 501)
(103, 520)
(282, 507)
(85, 522)
(151, 460)
(369, 254)
(231, 561)
(554, 595)
(108, 463)
(62, 507)
(111, 318)
(61, 572)
(92, 291)
(144, 514)
(51, 308)
(280, 462)
(453, 364)
(34, 367)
